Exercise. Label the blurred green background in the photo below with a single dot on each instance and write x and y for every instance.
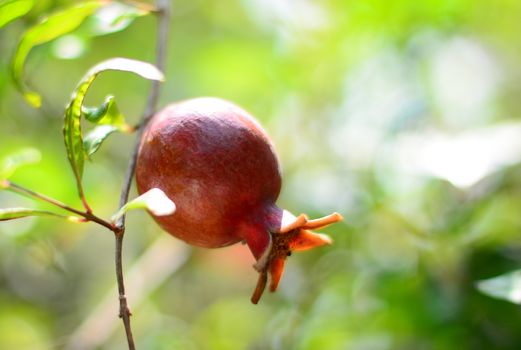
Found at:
(402, 115)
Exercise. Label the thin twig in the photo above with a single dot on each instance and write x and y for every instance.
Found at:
(11, 186)
(163, 12)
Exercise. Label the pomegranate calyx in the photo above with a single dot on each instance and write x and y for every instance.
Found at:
(294, 235)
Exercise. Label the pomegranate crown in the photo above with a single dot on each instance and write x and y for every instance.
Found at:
(294, 234)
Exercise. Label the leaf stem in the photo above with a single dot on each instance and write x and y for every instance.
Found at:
(83, 198)
(163, 23)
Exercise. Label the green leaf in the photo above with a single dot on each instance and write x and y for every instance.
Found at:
(107, 114)
(12, 162)
(93, 140)
(76, 152)
(48, 29)
(12, 9)
(70, 46)
(154, 200)
(109, 119)
(114, 17)
(144, 69)
(18, 213)
(506, 287)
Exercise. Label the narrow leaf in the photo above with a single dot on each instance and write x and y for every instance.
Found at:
(154, 200)
(506, 287)
(18, 213)
(114, 17)
(144, 69)
(12, 162)
(12, 9)
(48, 29)
(72, 133)
(93, 140)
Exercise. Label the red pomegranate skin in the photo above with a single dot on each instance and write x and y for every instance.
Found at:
(214, 160)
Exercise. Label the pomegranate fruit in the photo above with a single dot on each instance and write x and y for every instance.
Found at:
(218, 165)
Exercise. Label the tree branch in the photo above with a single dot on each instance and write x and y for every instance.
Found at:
(163, 13)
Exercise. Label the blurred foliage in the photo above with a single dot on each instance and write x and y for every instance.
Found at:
(401, 115)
